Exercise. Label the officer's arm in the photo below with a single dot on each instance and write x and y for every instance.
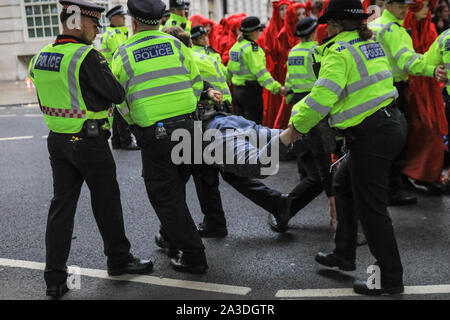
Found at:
(96, 72)
(433, 56)
(327, 89)
(400, 45)
(255, 61)
(194, 75)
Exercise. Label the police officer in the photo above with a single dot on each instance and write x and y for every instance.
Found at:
(199, 36)
(355, 89)
(76, 88)
(398, 46)
(178, 16)
(166, 17)
(248, 71)
(163, 86)
(116, 34)
(313, 158)
(439, 54)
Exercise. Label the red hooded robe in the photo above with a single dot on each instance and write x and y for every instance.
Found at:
(427, 121)
(287, 40)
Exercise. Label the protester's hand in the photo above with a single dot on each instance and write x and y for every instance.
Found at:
(333, 215)
(440, 74)
(215, 95)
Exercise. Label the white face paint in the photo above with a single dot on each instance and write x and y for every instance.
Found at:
(283, 10)
(423, 13)
(301, 13)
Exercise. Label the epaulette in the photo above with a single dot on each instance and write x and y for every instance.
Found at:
(255, 46)
(117, 31)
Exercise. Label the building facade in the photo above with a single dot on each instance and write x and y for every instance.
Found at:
(26, 26)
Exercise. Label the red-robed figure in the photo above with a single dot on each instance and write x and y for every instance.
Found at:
(427, 123)
(286, 41)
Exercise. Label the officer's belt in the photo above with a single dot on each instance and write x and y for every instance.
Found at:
(252, 83)
(177, 120)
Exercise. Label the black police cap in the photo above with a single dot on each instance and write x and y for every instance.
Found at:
(86, 9)
(198, 31)
(344, 9)
(177, 4)
(251, 24)
(305, 27)
(116, 11)
(147, 11)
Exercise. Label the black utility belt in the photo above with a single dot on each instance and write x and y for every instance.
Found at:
(251, 83)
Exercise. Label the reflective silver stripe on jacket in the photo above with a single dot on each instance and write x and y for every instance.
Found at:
(401, 52)
(410, 62)
(72, 78)
(268, 82)
(154, 74)
(303, 87)
(362, 69)
(313, 104)
(442, 37)
(394, 67)
(155, 91)
(242, 70)
(362, 108)
(261, 73)
(331, 85)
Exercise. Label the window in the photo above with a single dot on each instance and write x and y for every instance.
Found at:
(42, 18)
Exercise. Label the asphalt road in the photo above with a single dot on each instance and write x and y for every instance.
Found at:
(251, 257)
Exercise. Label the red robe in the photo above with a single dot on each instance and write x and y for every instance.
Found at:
(274, 64)
(287, 40)
(427, 121)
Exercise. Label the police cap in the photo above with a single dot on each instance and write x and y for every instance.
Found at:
(116, 11)
(305, 27)
(344, 9)
(147, 11)
(177, 4)
(86, 9)
(251, 24)
(198, 31)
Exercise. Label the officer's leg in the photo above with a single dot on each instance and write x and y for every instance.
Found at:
(67, 182)
(115, 138)
(310, 185)
(238, 99)
(347, 227)
(165, 186)
(254, 104)
(371, 159)
(96, 163)
(206, 179)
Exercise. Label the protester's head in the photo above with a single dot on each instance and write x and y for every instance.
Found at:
(346, 15)
(180, 34)
(282, 7)
(316, 9)
(81, 19)
(420, 9)
(442, 11)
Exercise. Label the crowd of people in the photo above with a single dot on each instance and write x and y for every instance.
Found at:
(324, 80)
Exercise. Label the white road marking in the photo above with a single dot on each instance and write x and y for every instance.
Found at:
(33, 115)
(16, 138)
(102, 274)
(330, 293)
(44, 137)
(7, 115)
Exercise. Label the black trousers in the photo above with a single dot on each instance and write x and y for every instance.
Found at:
(314, 163)
(395, 175)
(249, 102)
(73, 162)
(361, 187)
(206, 179)
(166, 188)
(121, 134)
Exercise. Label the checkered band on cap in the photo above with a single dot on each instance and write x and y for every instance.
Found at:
(64, 113)
(148, 21)
(355, 11)
(85, 12)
